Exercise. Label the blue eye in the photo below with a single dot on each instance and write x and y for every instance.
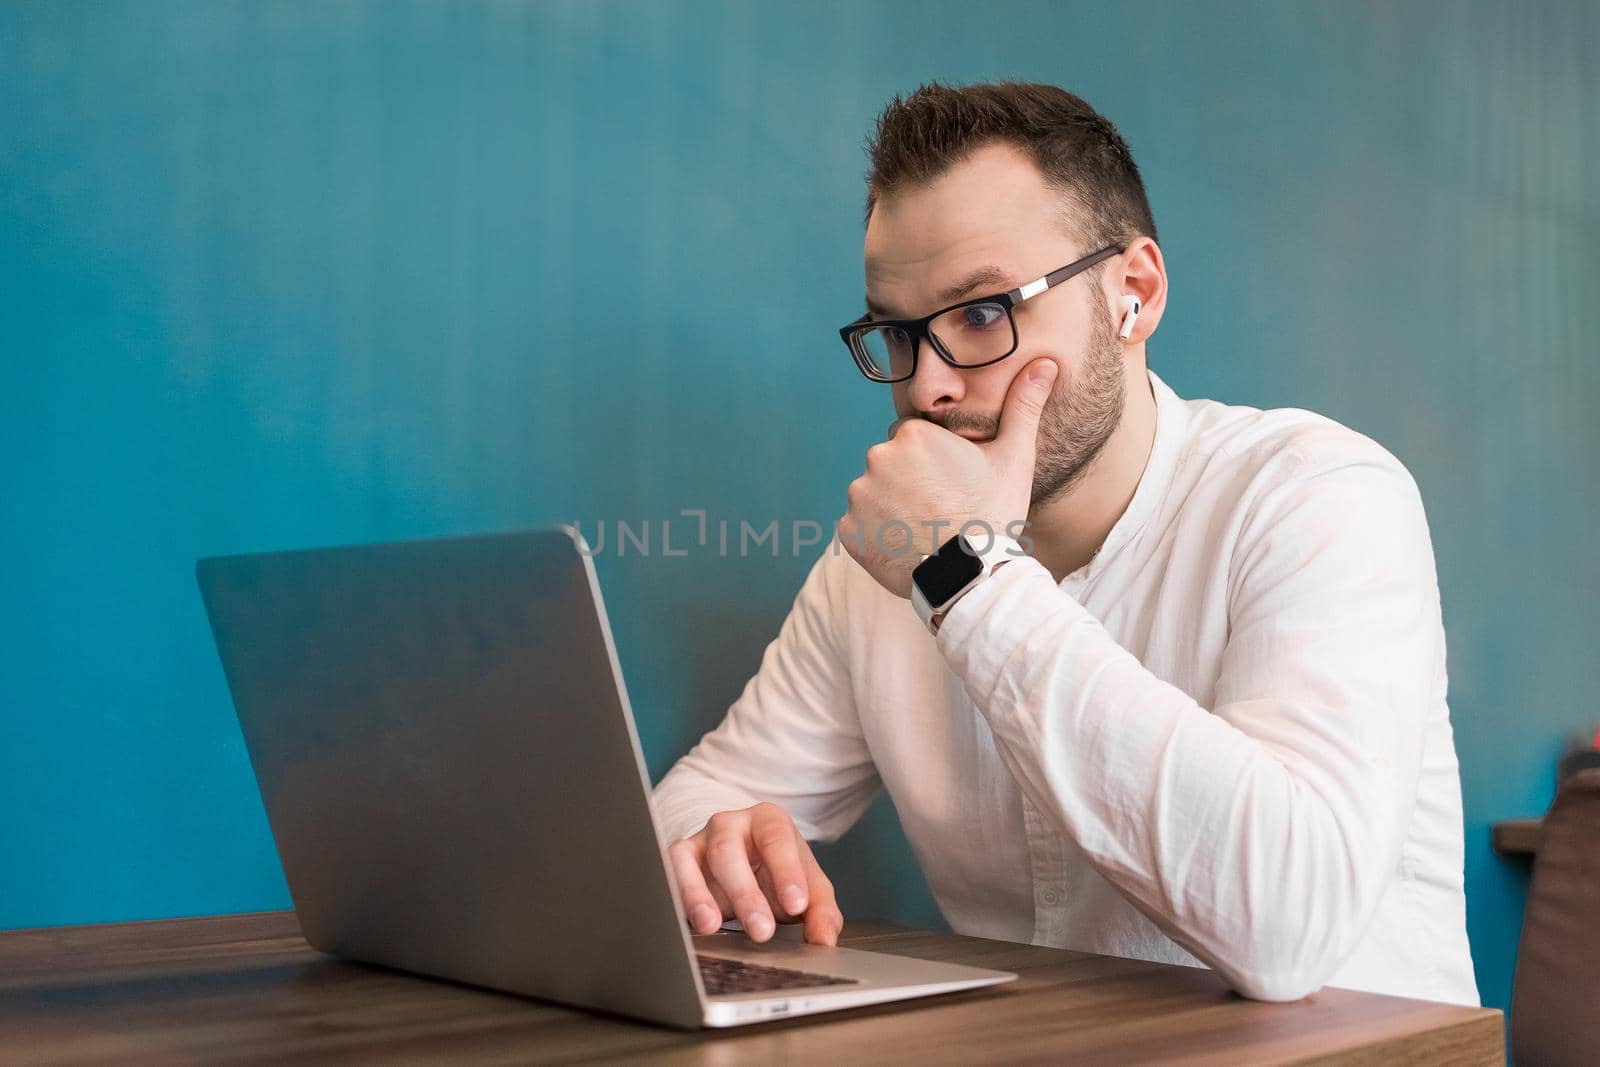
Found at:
(981, 316)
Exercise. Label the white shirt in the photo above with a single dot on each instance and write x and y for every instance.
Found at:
(1222, 741)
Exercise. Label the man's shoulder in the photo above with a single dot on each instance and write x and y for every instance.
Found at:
(1292, 485)
(1258, 449)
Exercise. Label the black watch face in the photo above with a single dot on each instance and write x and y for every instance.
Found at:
(946, 572)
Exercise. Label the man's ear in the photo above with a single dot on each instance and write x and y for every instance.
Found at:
(1142, 278)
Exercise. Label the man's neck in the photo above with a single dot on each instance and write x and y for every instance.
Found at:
(1070, 529)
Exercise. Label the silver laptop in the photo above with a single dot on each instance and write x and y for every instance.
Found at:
(449, 764)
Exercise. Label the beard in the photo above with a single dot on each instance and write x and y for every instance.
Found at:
(1083, 411)
(1079, 419)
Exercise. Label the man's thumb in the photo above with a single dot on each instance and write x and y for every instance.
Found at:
(1019, 421)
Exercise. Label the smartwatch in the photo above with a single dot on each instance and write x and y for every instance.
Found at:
(945, 577)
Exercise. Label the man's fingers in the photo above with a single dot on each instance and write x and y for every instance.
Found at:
(764, 880)
(823, 918)
(700, 907)
(724, 906)
(754, 864)
(728, 861)
(1019, 420)
(778, 845)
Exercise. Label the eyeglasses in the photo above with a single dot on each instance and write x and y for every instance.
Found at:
(973, 333)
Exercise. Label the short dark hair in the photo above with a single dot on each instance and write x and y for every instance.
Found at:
(920, 136)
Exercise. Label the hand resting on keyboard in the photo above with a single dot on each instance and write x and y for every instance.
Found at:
(753, 865)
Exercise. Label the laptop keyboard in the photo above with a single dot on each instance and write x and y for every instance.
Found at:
(724, 976)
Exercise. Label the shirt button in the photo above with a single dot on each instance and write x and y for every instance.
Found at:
(1051, 897)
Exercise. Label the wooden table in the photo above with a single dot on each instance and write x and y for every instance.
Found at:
(247, 988)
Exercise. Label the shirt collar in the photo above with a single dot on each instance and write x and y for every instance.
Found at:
(1172, 425)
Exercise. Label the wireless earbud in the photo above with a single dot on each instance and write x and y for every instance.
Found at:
(1130, 315)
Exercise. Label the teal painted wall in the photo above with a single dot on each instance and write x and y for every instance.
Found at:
(294, 274)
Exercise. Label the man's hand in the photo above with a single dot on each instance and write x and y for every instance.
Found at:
(754, 864)
(925, 483)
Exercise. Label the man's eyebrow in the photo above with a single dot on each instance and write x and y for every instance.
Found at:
(983, 276)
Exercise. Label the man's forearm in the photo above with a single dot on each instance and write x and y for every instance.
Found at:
(1260, 838)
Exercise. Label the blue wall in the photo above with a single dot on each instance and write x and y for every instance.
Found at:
(293, 274)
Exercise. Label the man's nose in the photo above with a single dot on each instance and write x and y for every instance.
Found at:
(936, 385)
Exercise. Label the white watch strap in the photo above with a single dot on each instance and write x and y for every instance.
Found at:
(923, 608)
(999, 549)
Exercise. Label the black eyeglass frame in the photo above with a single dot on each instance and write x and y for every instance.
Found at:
(918, 328)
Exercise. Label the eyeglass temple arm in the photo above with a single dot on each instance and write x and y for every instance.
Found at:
(1056, 277)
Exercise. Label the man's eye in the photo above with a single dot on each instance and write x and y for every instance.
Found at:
(896, 335)
(982, 316)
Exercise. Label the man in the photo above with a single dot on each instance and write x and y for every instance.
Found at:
(1201, 720)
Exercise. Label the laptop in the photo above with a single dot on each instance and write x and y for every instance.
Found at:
(449, 765)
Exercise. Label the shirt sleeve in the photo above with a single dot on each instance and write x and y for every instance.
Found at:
(1261, 833)
(793, 738)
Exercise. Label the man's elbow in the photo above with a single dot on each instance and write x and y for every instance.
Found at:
(1279, 986)
(1280, 968)
(1281, 951)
